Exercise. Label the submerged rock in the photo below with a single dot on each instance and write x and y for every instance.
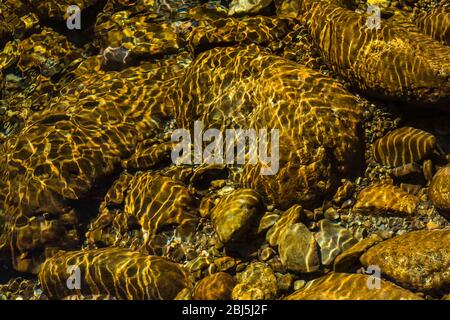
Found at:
(16, 19)
(298, 249)
(218, 286)
(237, 214)
(247, 6)
(396, 61)
(257, 282)
(151, 200)
(116, 272)
(439, 190)
(53, 165)
(318, 121)
(332, 239)
(261, 30)
(342, 286)
(385, 199)
(350, 257)
(435, 23)
(402, 146)
(418, 260)
(288, 218)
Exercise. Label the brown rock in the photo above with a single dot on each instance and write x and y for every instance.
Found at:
(350, 257)
(247, 6)
(116, 272)
(236, 214)
(342, 286)
(314, 114)
(419, 259)
(384, 198)
(289, 217)
(217, 286)
(298, 249)
(256, 282)
(332, 240)
(439, 190)
(267, 221)
(403, 146)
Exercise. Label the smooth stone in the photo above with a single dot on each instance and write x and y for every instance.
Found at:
(288, 218)
(217, 286)
(237, 214)
(247, 6)
(439, 190)
(342, 286)
(350, 257)
(333, 239)
(298, 249)
(418, 260)
(267, 221)
(385, 199)
(117, 272)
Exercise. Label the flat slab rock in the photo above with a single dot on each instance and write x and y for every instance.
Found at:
(343, 286)
(383, 199)
(333, 239)
(418, 260)
(298, 249)
(350, 257)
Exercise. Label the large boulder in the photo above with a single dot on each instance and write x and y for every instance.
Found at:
(419, 260)
(55, 164)
(395, 62)
(318, 122)
(117, 272)
(343, 286)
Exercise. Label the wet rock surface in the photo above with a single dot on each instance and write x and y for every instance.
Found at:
(358, 183)
(256, 282)
(332, 240)
(419, 259)
(235, 215)
(439, 190)
(350, 257)
(217, 286)
(298, 249)
(148, 277)
(341, 286)
(385, 199)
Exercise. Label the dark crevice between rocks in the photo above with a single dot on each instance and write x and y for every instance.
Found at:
(7, 271)
(203, 183)
(159, 166)
(246, 248)
(269, 11)
(135, 60)
(78, 37)
(4, 40)
(88, 207)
